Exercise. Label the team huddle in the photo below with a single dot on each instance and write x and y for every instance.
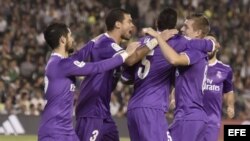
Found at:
(161, 63)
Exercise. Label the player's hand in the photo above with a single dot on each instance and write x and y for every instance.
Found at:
(132, 47)
(167, 34)
(217, 44)
(230, 112)
(150, 31)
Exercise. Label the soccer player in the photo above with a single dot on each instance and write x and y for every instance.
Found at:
(189, 82)
(218, 86)
(93, 117)
(152, 77)
(56, 119)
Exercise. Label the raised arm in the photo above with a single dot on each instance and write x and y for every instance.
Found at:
(169, 53)
(73, 67)
(137, 56)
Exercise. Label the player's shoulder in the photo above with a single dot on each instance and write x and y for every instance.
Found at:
(223, 65)
(52, 65)
(106, 41)
(103, 39)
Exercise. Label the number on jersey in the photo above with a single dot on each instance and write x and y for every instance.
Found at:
(145, 66)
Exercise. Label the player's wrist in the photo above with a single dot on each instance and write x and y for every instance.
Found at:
(152, 43)
(124, 55)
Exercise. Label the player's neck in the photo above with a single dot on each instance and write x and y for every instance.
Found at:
(115, 36)
(213, 60)
(61, 51)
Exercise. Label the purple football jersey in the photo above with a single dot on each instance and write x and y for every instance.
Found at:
(59, 87)
(152, 80)
(152, 77)
(96, 90)
(189, 85)
(219, 81)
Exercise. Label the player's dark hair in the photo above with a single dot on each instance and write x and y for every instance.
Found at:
(167, 19)
(200, 23)
(113, 16)
(54, 32)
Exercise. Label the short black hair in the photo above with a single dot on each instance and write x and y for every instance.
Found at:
(167, 19)
(113, 16)
(54, 32)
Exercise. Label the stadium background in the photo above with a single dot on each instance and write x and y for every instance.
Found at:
(23, 51)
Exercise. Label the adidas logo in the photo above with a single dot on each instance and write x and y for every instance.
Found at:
(12, 126)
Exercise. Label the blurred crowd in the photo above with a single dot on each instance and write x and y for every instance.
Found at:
(23, 52)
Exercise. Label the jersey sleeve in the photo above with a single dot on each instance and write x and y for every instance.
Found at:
(228, 82)
(203, 45)
(194, 55)
(84, 53)
(72, 67)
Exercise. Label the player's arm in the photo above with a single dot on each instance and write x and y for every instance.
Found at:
(229, 94)
(137, 56)
(145, 49)
(230, 100)
(203, 45)
(70, 66)
(84, 52)
(169, 53)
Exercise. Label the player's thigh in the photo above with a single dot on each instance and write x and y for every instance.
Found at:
(88, 129)
(187, 130)
(146, 124)
(109, 130)
(212, 133)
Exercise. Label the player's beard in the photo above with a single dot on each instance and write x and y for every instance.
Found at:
(69, 47)
(127, 35)
(124, 37)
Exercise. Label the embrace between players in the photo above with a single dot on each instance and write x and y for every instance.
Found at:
(156, 63)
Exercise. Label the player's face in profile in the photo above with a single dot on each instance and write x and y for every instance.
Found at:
(69, 42)
(188, 30)
(127, 27)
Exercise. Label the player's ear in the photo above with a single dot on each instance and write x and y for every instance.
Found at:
(62, 40)
(118, 24)
(198, 33)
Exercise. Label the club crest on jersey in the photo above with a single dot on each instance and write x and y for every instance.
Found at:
(79, 64)
(219, 74)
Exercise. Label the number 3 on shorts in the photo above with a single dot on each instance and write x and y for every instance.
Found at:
(94, 135)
